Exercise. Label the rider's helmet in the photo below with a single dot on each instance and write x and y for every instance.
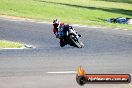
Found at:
(56, 23)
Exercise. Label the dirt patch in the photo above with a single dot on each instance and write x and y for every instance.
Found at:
(14, 18)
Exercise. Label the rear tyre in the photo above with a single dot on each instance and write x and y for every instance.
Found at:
(62, 43)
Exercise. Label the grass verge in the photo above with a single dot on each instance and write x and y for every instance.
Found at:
(87, 12)
(9, 44)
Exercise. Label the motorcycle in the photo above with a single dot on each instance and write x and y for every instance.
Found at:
(71, 37)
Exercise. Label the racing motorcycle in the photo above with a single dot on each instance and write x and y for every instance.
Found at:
(71, 37)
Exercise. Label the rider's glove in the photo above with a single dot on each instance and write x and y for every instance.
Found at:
(79, 35)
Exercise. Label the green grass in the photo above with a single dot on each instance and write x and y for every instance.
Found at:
(87, 12)
(9, 44)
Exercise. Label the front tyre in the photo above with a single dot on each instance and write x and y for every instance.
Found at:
(75, 41)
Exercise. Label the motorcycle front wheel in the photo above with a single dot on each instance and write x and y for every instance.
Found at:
(75, 41)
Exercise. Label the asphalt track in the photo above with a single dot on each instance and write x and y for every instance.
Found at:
(105, 51)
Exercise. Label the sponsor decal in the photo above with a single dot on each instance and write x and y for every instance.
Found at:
(83, 78)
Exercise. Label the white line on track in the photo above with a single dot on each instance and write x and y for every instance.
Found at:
(62, 72)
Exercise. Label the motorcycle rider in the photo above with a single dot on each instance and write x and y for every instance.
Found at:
(58, 30)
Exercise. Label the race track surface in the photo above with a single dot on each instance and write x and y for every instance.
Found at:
(105, 51)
